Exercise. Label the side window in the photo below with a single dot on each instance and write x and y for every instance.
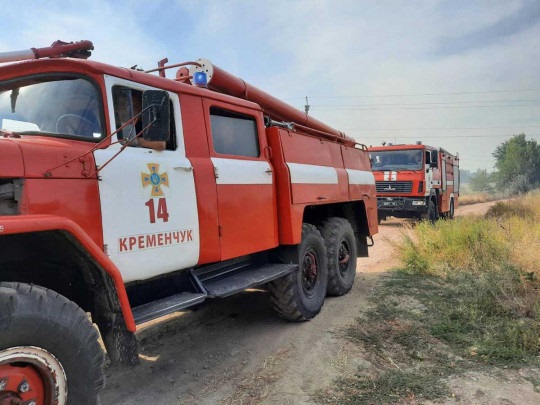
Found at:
(125, 102)
(128, 103)
(234, 134)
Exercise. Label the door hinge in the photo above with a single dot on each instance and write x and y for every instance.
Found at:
(216, 172)
(220, 231)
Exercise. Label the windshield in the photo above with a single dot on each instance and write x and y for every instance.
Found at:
(397, 159)
(59, 105)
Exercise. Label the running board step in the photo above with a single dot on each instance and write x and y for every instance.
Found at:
(167, 305)
(249, 277)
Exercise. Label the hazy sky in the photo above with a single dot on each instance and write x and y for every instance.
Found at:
(460, 74)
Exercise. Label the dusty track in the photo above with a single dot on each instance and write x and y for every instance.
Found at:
(237, 351)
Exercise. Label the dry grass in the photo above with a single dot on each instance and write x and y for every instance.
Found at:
(256, 386)
(493, 263)
(519, 221)
(476, 198)
(509, 235)
(468, 299)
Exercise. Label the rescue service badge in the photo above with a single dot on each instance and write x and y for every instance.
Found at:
(155, 180)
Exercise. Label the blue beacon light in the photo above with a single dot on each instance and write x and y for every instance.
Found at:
(200, 79)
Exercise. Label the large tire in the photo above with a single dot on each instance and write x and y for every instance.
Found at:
(38, 327)
(432, 214)
(450, 214)
(299, 296)
(340, 244)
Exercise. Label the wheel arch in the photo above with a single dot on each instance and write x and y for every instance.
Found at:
(354, 211)
(56, 253)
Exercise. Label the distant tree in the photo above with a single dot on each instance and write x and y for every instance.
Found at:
(465, 176)
(481, 181)
(518, 164)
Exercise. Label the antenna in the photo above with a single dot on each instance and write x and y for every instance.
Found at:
(306, 107)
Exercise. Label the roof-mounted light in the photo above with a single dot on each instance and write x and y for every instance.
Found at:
(200, 79)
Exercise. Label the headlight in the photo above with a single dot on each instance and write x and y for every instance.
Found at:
(419, 202)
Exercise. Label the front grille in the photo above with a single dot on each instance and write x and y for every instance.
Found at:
(393, 186)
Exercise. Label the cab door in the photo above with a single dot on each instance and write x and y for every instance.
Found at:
(244, 180)
(148, 202)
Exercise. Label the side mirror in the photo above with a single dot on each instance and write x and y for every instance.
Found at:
(156, 115)
(433, 160)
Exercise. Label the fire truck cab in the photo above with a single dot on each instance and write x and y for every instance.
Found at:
(415, 181)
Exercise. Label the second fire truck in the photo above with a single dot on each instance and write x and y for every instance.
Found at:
(415, 181)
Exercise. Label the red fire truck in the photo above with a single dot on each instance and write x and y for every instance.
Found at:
(415, 181)
(241, 190)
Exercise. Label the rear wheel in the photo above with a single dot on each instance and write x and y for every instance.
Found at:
(299, 296)
(49, 353)
(450, 214)
(340, 244)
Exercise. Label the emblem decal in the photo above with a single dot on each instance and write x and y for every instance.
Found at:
(155, 179)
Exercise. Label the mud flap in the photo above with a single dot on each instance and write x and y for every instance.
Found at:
(120, 343)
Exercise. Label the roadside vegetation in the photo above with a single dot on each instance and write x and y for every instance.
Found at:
(477, 198)
(517, 171)
(467, 299)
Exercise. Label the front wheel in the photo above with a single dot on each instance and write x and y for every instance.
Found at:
(340, 244)
(432, 214)
(299, 296)
(49, 353)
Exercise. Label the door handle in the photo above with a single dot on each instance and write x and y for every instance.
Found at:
(184, 168)
(269, 171)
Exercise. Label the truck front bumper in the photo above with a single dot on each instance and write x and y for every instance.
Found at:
(401, 206)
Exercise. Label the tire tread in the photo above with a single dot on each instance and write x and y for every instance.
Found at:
(332, 230)
(20, 300)
(285, 294)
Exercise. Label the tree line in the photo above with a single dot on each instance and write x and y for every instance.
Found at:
(517, 168)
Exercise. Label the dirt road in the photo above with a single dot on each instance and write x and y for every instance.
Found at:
(237, 351)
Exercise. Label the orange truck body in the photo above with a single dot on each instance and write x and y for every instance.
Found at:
(415, 181)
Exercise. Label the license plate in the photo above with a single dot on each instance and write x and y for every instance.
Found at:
(389, 204)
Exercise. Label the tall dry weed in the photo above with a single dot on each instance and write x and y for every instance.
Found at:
(467, 244)
(500, 253)
(509, 235)
(519, 220)
(476, 198)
